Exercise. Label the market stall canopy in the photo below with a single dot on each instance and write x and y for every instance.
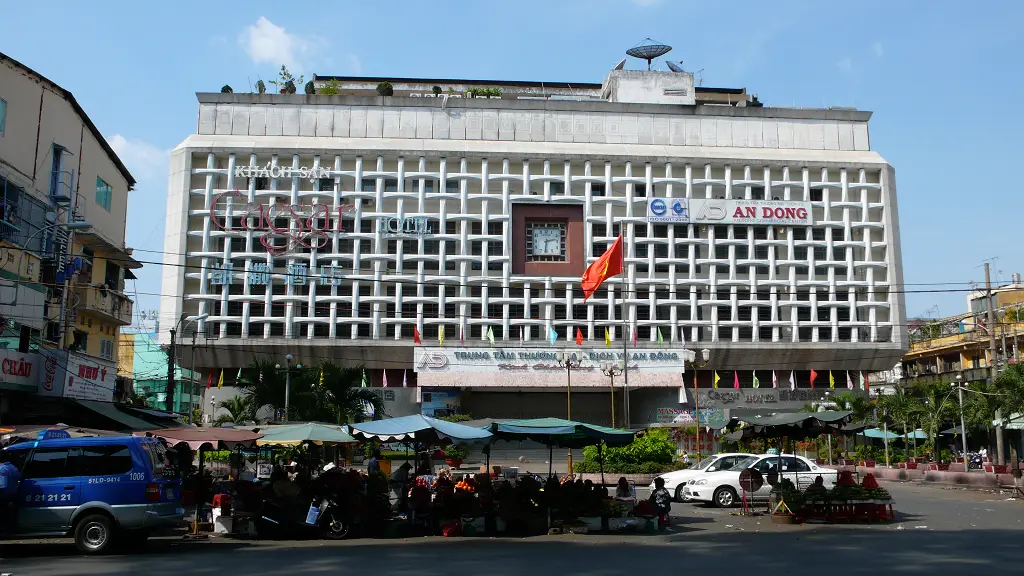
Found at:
(418, 428)
(878, 433)
(916, 435)
(296, 434)
(207, 438)
(559, 432)
(789, 424)
(1014, 422)
(954, 431)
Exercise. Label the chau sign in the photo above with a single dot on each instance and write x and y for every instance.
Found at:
(283, 228)
(734, 211)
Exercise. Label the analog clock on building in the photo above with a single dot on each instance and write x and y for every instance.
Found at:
(547, 241)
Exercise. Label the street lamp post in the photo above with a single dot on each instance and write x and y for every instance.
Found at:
(611, 370)
(963, 428)
(705, 355)
(288, 381)
(570, 362)
(192, 374)
(213, 408)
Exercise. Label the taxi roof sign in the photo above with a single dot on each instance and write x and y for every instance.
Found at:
(53, 435)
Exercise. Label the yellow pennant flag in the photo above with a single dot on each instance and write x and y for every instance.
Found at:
(220, 380)
(321, 376)
(831, 380)
(607, 338)
(440, 336)
(490, 335)
(716, 379)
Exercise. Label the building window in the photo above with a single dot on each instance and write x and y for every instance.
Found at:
(3, 115)
(545, 241)
(107, 348)
(103, 194)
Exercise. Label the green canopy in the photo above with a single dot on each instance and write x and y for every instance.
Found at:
(295, 434)
(559, 432)
(879, 433)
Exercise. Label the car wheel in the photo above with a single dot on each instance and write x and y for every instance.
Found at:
(679, 493)
(93, 534)
(725, 497)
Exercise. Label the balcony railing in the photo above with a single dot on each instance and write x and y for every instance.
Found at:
(111, 305)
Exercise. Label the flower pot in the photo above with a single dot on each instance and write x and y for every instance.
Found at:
(453, 463)
(911, 465)
(867, 463)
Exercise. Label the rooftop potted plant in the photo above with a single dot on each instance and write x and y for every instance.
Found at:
(385, 89)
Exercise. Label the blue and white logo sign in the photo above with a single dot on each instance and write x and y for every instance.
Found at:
(673, 210)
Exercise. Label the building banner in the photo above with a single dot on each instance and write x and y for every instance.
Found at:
(515, 367)
(732, 211)
(77, 376)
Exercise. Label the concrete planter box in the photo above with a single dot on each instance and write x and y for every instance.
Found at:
(939, 467)
(908, 465)
(867, 463)
(610, 478)
(846, 462)
(995, 468)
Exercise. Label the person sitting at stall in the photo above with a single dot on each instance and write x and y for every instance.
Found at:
(622, 489)
(662, 501)
(283, 488)
(373, 465)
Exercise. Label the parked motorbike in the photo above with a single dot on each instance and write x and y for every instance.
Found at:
(974, 459)
(323, 519)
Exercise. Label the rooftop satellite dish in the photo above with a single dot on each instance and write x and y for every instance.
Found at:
(674, 67)
(648, 50)
(620, 65)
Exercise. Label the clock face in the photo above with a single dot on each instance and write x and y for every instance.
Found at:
(547, 241)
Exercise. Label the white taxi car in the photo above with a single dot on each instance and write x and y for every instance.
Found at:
(675, 481)
(722, 488)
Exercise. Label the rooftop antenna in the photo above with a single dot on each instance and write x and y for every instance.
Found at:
(620, 65)
(700, 77)
(648, 50)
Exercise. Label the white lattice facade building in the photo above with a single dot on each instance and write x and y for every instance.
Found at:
(341, 225)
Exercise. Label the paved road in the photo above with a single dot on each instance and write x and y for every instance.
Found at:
(936, 531)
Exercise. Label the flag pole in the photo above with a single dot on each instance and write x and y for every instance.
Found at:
(625, 343)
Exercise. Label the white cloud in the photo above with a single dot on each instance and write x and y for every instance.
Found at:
(270, 43)
(354, 64)
(878, 48)
(144, 160)
(846, 64)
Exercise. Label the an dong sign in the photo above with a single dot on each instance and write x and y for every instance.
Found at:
(307, 227)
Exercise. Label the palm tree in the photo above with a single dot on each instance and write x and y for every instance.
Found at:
(1009, 390)
(323, 393)
(903, 408)
(238, 411)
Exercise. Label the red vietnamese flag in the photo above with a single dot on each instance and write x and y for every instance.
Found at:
(813, 376)
(608, 265)
(735, 379)
(579, 337)
(209, 381)
(416, 335)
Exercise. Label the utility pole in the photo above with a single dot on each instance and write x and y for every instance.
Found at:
(993, 370)
(169, 403)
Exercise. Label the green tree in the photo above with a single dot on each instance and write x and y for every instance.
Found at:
(325, 392)
(903, 409)
(238, 410)
(1009, 390)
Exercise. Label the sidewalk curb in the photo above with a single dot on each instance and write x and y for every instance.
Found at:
(948, 486)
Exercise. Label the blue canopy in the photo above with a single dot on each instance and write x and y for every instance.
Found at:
(878, 433)
(418, 428)
(916, 434)
(559, 432)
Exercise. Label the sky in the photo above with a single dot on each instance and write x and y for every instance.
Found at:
(942, 78)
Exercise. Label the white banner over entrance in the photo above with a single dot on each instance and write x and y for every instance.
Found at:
(515, 367)
(732, 211)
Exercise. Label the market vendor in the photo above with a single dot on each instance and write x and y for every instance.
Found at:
(400, 484)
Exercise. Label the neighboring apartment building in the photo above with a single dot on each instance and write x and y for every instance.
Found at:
(342, 226)
(143, 362)
(63, 204)
(961, 345)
